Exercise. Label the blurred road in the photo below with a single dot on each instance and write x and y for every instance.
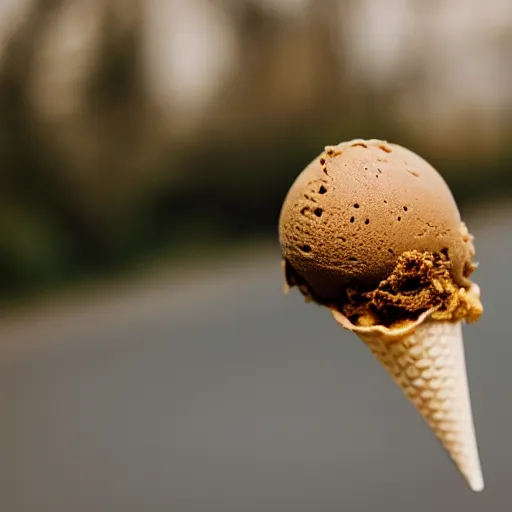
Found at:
(218, 393)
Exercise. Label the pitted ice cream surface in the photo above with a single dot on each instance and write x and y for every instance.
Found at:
(358, 207)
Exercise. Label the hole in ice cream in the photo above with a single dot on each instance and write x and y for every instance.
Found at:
(332, 151)
(352, 258)
(367, 221)
(411, 284)
(444, 252)
(352, 219)
(322, 190)
(391, 251)
(305, 248)
(399, 219)
(405, 208)
(323, 163)
(356, 205)
(318, 212)
(304, 210)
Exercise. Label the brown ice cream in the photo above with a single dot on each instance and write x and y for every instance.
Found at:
(372, 229)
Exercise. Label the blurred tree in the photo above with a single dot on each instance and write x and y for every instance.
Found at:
(72, 185)
(98, 168)
(28, 242)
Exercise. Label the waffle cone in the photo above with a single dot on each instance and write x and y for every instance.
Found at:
(426, 360)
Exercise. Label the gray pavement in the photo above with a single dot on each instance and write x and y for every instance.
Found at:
(218, 393)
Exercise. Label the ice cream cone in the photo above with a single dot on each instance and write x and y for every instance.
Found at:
(426, 360)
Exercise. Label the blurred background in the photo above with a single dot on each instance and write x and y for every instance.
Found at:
(148, 359)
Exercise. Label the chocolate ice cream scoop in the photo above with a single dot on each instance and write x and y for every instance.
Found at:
(358, 207)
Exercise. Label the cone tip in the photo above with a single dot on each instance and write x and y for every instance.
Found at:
(475, 480)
